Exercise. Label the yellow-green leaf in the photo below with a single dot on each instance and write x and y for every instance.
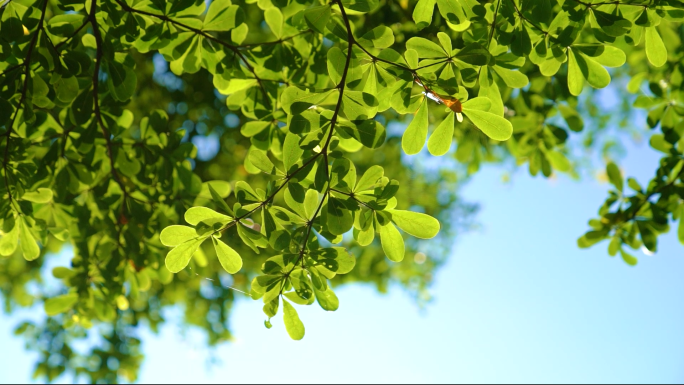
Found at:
(61, 304)
(417, 132)
(229, 258)
(655, 48)
(440, 141)
(392, 243)
(179, 258)
(173, 236)
(28, 243)
(293, 325)
(419, 225)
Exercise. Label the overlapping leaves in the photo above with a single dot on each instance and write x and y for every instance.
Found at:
(315, 84)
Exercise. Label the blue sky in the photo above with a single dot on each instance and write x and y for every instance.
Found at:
(517, 302)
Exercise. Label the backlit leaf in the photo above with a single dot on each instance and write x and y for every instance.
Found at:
(293, 325)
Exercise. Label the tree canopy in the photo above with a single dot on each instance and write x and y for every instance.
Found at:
(261, 144)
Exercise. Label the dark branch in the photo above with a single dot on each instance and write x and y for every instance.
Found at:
(96, 97)
(27, 76)
(231, 47)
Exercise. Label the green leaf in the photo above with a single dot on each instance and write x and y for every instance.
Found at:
(195, 215)
(597, 76)
(222, 16)
(416, 134)
(513, 79)
(63, 273)
(291, 151)
(361, 5)
(648, 236)
(419, 225)
(311, 202)
(122, 81)
(229, 258)
(219, 201)
(251, 129)
(452, 10)
(358, 105)
(392, 243)
(583, 67)
(572, 117)
(293, 325)
(274, 19)
(425, 48)
(173, 236)
(615, 176)
(680, 231)
(423, 12)
(474, 54)
(655, 48)
(629, 259)
(239, 34)
(575, 76)
(61, 304)
(610, 56)
(445, 41)
(28, 243)
(235, 86)
(221, 187)
(9, 242)
(612, 24)
(369, 178)
(440, 141)
(559, 161)
(261, 161)
(179, 258)
(66, 89)
(327, 299)
(490, 124)
(42, 195)
(340, 219)
(370, 133)
(614, 246)
(317, 17)
(336, 64)
(379, 37)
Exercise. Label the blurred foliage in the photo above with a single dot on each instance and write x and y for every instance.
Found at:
(253, 120)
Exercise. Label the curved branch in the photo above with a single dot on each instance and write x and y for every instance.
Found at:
(85, 22)
(27, 76)
(491, 33)
(96, 97)
(231, 47)
(524, 18)
(11, 69)
(333, 122)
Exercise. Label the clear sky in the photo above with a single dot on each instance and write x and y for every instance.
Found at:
(517, 302)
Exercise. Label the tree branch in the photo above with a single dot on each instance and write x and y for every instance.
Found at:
(27, 76)
(491, 33)
(96, 98)
(11, 69)
(58, 46)
(231, 47)
(524, 18)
